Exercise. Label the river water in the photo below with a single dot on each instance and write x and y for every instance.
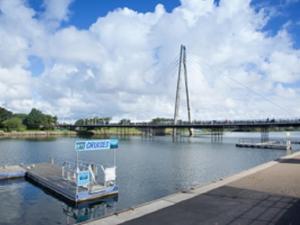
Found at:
(147, 169)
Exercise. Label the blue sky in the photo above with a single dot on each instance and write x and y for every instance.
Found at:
(97, 8)
(285, 12)
(84, 13)
(81, 58)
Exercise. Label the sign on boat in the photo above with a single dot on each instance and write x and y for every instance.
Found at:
(96, 145)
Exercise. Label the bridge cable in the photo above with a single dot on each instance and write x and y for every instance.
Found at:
(198, 61)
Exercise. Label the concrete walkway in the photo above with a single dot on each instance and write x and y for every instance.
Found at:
(267, 195)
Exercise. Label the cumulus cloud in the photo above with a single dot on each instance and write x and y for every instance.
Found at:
(125, 64)
(56, 11)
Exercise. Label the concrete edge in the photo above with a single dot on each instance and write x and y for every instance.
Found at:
(155, 205)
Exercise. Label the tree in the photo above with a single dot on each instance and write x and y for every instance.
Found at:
(34, 119)
(37, 120)
(49, 122)
(107, 120)
(162, 121)
(4, 114)
(22, 116)
(79, 122)
(124, 122)
(13, 123)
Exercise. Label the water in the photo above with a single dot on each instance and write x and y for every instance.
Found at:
(147, 170)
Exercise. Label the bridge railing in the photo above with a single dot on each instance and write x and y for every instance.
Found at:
(195, 122)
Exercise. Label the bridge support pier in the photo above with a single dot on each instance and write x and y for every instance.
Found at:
(105, 132)
(174, 134)
(147, 133)
(179, 135)
(217, 135)
(123, 132)
(264, 134)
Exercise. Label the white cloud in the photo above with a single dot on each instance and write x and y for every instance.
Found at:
(56, 11)
(283, 67)
(124, 65)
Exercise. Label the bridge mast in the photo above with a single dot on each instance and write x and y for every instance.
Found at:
(182, 62)
(177, 100)
(187, 90)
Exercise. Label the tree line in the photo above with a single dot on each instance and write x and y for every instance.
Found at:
(106, 121)
(35, 120)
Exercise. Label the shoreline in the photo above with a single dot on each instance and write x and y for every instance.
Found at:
(34, 134)
(67, 133)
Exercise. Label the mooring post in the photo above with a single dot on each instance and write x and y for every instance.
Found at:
(288, 144)
(213, 135)
(216, 135)
(264, 134)
(63, 172)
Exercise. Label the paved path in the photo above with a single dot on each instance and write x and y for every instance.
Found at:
(268, 195)
(282, 178)
(227, 205)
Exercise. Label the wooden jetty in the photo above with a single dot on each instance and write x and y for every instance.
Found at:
(11, 172)
(49, 176)
(265, 145)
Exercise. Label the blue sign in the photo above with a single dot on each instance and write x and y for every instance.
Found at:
(96, 145)
(83, 178)
(114, 143)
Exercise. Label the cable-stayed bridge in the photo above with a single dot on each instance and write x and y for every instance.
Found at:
(215, 126)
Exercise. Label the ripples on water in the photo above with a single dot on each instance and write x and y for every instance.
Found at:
(147, 170)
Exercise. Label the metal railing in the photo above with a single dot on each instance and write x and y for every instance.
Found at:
(69, 171)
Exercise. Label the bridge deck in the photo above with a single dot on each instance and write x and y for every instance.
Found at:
(199, 125)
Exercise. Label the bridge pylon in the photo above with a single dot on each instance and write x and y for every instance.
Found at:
(182, 66)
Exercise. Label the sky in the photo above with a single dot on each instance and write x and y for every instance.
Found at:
(78, 59)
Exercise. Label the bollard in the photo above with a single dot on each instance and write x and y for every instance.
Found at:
(288, 144)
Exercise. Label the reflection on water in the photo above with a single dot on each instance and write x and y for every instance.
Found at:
(33, 138)
(146, 170)
(89, 211)
(75, 212)
(18, 206)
